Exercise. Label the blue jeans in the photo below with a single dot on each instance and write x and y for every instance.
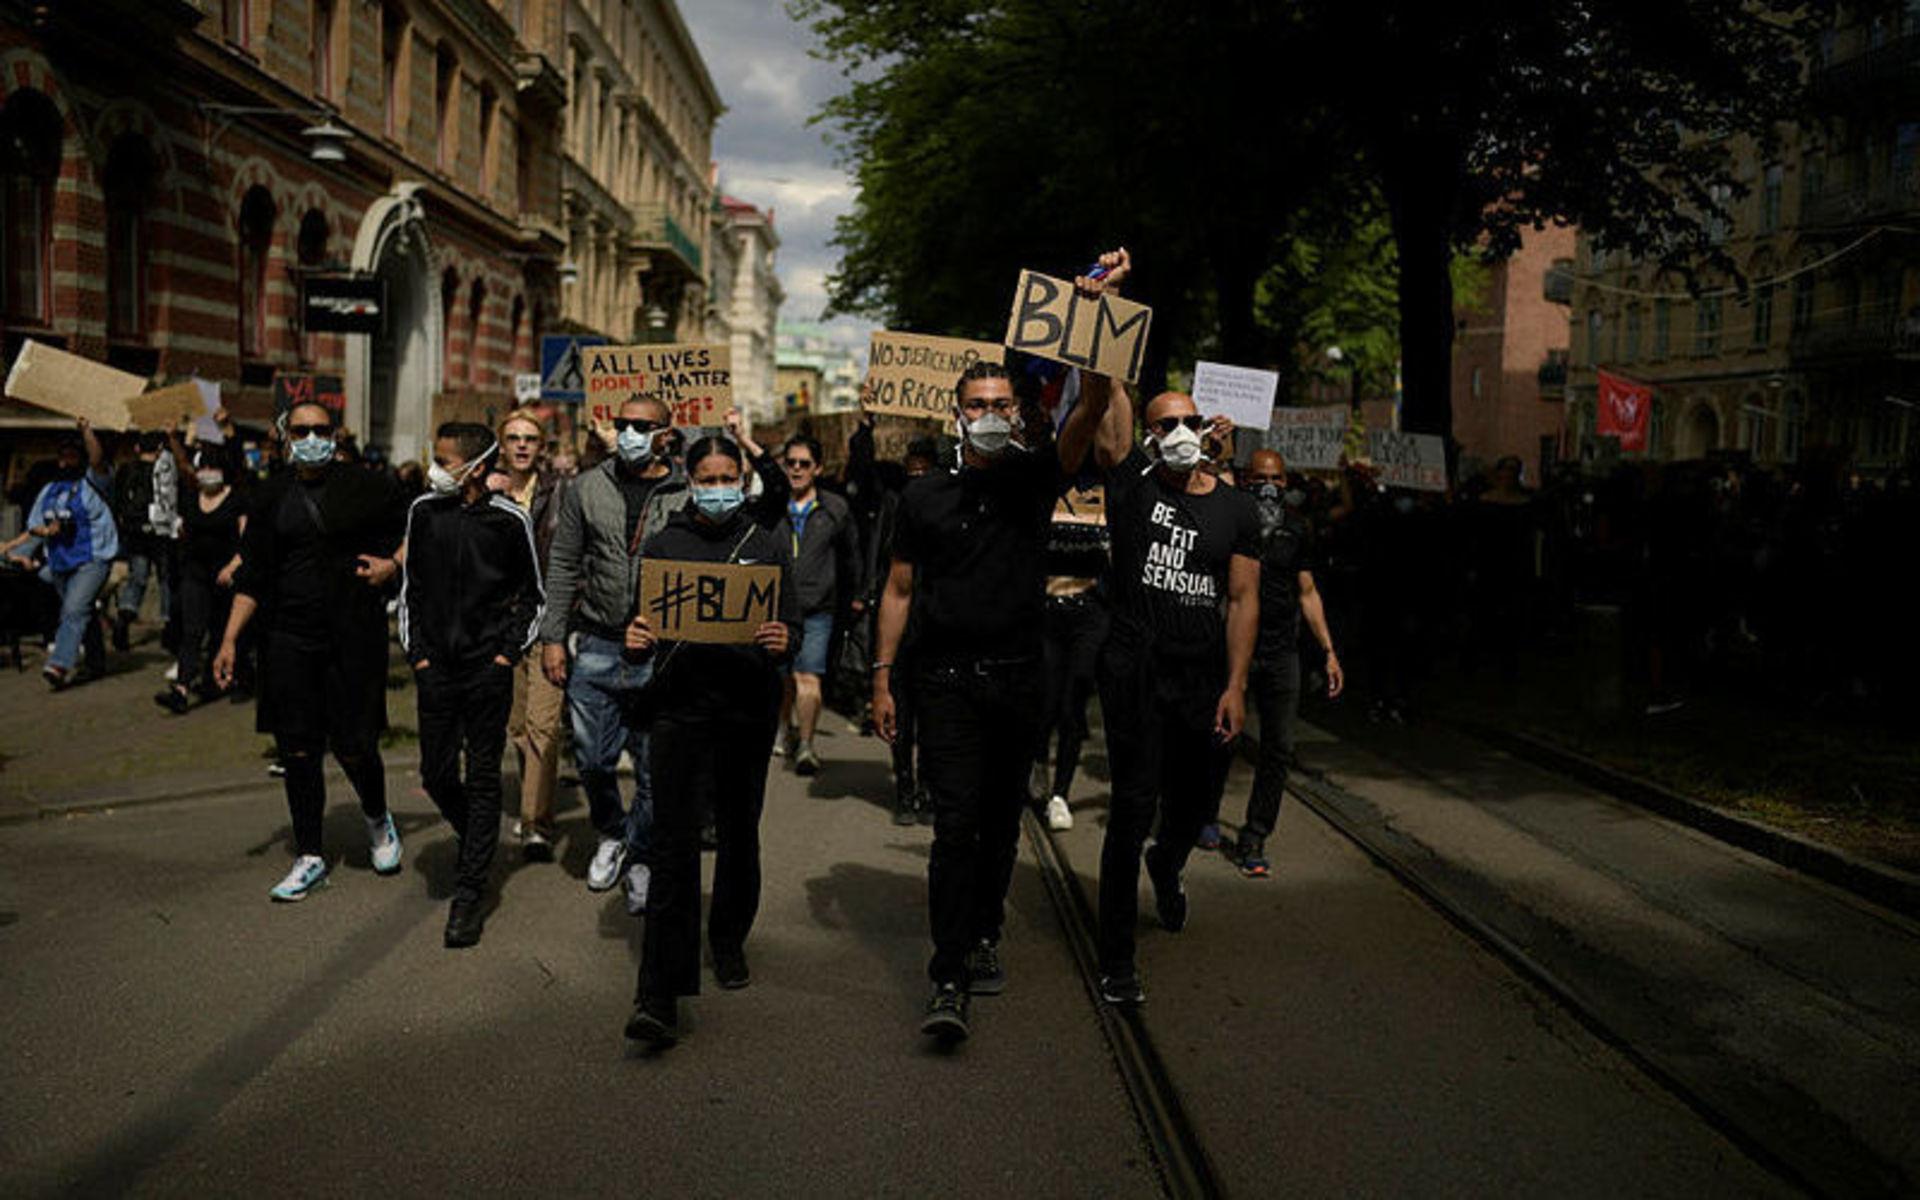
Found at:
(141, 568)
(602, 679)
(77, 589)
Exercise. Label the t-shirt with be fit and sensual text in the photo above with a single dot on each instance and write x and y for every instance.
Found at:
(1171, 555)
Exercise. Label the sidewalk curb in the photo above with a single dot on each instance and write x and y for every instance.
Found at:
(1887, 886)
(55, 809)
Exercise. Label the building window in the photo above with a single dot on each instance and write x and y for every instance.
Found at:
(1662, 328)
(1596, 325)
(30, 146)
(523, 165)
(310, 247)
(321, 50)
(393, 44)
(1632, 349)
(1792, 427)
(1763, 314)
(476, 316)
(236, 22)
(1754, 423)
(489, 105)
(1813, 179)
(1770, 188)
(449, 302)
(1803, 302)
(127, 184)
(256, 247)
(516, 322)
(1706, 325)
(1719, 213)
(446, 123)
(1476, 383)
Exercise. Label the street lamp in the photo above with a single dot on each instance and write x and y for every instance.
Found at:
(326, 141)
(656, 316)
(569, 273)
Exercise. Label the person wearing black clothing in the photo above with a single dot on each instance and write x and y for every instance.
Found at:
(1078, 547)
(469, 608)
(317, 553)
(1287, 592)
(967, 581)
(213, 519)
(713, 709)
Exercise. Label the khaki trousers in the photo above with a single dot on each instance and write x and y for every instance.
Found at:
(534, 728)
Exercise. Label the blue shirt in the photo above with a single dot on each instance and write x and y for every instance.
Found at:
(87, 531)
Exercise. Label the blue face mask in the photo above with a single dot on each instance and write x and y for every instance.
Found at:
(635, 447)
(719, 503)
(311, 451)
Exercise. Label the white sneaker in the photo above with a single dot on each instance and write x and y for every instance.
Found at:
(386, 845)
(639, 880)
(607, 861)
(1059, 816)
(309, 872)
(173, 673)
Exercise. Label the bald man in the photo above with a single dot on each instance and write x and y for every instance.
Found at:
(1173, 674)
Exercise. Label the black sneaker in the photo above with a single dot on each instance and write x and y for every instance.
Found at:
(903, 805)
(122, 622)
(986, 977)
(1169, 897)
(946, 1017)
(174, 701)
(1123, 989)
(730, 969)
(656, 1022)
(463, 924)
(922, 806)
(709, 836)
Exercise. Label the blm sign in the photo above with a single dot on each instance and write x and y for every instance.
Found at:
(1104, 334)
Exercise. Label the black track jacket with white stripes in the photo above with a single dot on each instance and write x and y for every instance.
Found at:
(472, 588)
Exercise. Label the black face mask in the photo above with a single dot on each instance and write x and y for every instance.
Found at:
(66, 472)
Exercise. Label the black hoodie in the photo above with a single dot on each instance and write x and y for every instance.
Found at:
(472, 587)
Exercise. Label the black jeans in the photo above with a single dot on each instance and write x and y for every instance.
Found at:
(1076, 629)
(1166, 762)
(1275, 688)
(971, 720)
(463, 709)
(202, 612)
(905, 741)
(692, 759)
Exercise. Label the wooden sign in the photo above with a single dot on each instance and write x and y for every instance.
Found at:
(913, 375)
(708, 602)
(1082, 506)
(694, 380)
(1104, 334)
(76, 386)
(166, 407)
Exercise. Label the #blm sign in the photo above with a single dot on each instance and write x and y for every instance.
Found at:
(708, 602)
(912, 375)
(1240, 394)
(1104, 334)
(1309, 439)
(79, 387)
(694, 380)
(1408, 460)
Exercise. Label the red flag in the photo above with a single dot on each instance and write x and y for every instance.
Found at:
(1624, 410)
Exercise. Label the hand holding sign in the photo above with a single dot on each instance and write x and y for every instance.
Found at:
(772, 636)
(639, 639)
(1111, 270)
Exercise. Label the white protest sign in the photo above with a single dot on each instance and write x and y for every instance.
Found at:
(1243, 395)
(206, 430)
(526, 388)
(1408, 460)
(1309, 439)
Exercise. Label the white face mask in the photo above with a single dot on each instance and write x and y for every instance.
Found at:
(210, 481)
(989, 434)
(1180, 449)
(445, 482)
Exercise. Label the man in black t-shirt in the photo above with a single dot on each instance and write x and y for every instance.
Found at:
(969, 566)
(1173, 676)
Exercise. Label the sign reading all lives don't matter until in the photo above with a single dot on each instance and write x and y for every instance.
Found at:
(694, 380)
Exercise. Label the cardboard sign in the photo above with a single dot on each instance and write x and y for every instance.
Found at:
(291, 388)
(164, 408)
(1082, 506)
(1310, 439)
(912, 375)
(708, 602)
(1104, 334)
(1241, 394)
(692, 379)
(474, 408)
(76, 386)
(206, 430)
(1408, 460)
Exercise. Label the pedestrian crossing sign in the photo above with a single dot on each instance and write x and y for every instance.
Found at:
(563, 370)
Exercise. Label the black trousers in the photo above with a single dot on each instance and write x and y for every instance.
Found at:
(201, 610)
(463, 712)
(905, 739)
(692, 759)
(1076, 629)
(972, 720)
(1166, 763)
(320, 695)
(1275, 688)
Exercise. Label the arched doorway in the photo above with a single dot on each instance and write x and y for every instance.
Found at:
(1700, 435)
(392, 376)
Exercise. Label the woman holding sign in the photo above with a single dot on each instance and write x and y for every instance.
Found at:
(714, 703)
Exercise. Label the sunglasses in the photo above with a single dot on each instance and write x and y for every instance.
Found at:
(799, 464)
(638, 424)
(300, 431)
(1165, 425)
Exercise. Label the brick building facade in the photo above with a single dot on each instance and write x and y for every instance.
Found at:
(1510, 359)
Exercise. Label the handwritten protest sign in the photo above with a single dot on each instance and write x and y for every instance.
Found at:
(1104, 334)
(1408, 460)
(912, 375)
(694, 380)
(1241, 394)
(1309, 439)
(302, 387)
(76, 386)
(206, 430)
(165, 408)
(708, 602)
(1082, 506)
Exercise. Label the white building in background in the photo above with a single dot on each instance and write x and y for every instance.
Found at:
(745, 296)
(841, 366)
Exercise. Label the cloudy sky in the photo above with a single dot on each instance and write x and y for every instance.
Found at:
(767, 152)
